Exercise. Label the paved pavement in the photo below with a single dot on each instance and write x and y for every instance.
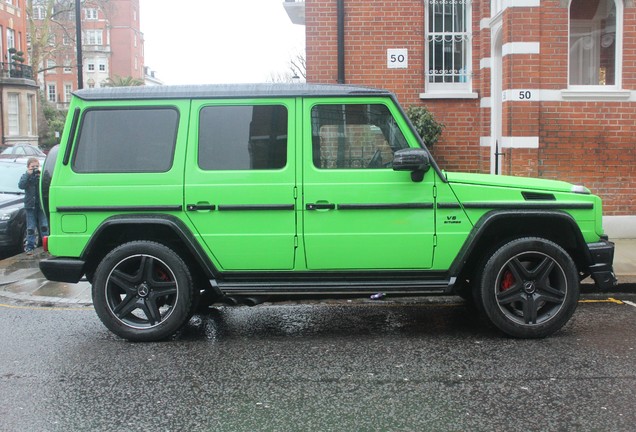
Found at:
(21, 279)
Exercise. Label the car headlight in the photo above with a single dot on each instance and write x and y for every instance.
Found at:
(8, 214)
(579, 189)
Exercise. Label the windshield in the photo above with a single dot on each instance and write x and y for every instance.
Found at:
(10, 174)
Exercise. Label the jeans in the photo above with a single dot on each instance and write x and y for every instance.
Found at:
(36, 221)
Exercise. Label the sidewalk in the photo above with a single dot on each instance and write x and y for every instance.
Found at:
(21, 279)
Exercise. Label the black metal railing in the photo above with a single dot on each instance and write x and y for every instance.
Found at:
(16, 70)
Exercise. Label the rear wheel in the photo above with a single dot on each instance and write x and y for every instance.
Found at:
(143, 291)
(529, 288)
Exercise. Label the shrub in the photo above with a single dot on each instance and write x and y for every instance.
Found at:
(425, 124)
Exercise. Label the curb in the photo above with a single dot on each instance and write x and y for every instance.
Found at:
(44, 300)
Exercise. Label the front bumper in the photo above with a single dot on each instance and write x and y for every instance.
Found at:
(601, 266)
(68, 270)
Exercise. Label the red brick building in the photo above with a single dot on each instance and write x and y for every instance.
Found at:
(542, 88)
(18, 91)
(112, 46)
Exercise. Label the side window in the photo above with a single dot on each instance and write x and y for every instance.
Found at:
(126, 140)
(356, 136)
(243, 137)
(595, 41)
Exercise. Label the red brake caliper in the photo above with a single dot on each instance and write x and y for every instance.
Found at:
(507, 281)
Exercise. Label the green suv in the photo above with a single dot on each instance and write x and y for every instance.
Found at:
(168, 197)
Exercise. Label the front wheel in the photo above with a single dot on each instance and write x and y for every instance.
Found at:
(529, 288)
(143, 291)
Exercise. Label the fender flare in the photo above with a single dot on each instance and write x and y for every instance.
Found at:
(487, 222)
(173, 223)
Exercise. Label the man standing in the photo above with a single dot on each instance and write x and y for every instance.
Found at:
(35, 217)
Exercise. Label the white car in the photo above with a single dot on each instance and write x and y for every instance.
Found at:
(21, 152)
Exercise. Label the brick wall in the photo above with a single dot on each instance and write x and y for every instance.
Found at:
(591, 143)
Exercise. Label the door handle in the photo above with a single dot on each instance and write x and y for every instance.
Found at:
(202, 206)
(320, 206)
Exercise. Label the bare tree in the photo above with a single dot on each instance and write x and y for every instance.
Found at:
(51, 26)
(297, 70)
(46, 19)
(298, 66)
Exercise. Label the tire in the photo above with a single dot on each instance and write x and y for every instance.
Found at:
(529, 288)
(143, 291)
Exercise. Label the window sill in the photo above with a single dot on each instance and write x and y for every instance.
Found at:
(596, 95)
(449, 95)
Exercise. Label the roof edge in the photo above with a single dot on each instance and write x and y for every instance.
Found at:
(217, 91)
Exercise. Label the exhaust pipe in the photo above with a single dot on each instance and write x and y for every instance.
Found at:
(253, 301)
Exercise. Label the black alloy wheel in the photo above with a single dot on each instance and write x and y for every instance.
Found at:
(143, 291)
(529, 288)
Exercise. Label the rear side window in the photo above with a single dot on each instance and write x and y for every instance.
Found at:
(126, 140)
(243, 137)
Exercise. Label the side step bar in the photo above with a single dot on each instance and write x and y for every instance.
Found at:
(329, 288)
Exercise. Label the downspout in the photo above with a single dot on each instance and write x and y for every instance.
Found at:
(341, 42)
(78, 39)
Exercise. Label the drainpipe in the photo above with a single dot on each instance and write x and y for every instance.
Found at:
(341, 42)
(78, 38)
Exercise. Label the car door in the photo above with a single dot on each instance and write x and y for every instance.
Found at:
(240, 182)
(357, 212)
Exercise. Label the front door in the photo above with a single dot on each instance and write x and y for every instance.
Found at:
(357, 212)
(240, 181)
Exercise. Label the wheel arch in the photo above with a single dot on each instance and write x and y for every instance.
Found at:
(164, 229)
(499, 227)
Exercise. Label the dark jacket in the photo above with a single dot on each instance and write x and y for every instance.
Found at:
(30, 183)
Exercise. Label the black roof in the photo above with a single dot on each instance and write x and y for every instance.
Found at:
(217, 91)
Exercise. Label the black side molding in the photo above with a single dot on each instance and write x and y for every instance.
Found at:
(387, 206)
(149, 208)
(255, 207)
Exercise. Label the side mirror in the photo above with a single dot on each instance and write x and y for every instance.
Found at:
(412, 159)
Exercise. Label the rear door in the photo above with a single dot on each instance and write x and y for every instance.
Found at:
(240, 179)
(357, 212)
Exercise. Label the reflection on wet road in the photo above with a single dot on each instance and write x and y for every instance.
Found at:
(328, 366)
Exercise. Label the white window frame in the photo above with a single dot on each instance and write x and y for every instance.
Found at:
(13, 114)
(456, 89)
(10, 38)
(618, 55)
(39, 12)
(94, 37)
(91, 14)
(51, 93)
(30, 112)
(68, 89)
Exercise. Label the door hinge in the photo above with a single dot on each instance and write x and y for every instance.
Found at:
(295, 192)
(435, 240)
(295, 241)
(434, 191)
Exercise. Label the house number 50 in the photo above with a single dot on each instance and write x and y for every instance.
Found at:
(525, 95)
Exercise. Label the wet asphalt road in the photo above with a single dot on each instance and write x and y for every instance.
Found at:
(324, 367)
